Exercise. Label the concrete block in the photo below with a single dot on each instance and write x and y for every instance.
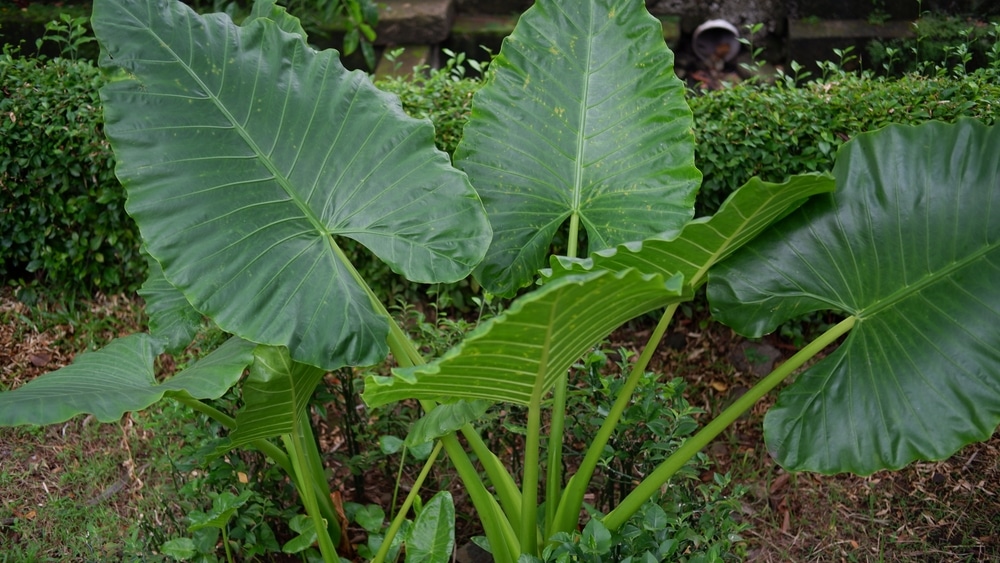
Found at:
(414, 22)
(810, 40)
(403, 65)
(899, 10)
(477, 34)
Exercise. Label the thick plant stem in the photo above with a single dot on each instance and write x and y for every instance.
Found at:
(573, 237)
(557, 425)
(319, 483)
(569, 505)
(553, 469)
(501, 535)
(528, 530)
(496, 525)
(212, 412)
(397, 522)
(294, 443)
(506, 489)
(663, 472)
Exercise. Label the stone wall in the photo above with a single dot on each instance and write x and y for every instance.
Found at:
(771, 13)
(493, 7)
(894, 9)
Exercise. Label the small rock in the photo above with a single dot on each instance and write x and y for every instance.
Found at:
(755, 357)
(40, 360)
(472, 553)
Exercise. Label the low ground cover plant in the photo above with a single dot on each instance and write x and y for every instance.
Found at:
(248, 157)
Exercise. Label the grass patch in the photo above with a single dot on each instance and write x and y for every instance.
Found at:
(71, 492)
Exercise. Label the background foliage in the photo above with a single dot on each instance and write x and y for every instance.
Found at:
(756, 123)
(773, 132)
(63, 224)
(62, 216)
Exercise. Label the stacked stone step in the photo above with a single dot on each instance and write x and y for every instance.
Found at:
(417, 26)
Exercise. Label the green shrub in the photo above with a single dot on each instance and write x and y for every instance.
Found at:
(444, 96)
(62, 221)
(776, 131)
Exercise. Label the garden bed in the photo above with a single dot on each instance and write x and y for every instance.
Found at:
(129, 486)
(176, 485)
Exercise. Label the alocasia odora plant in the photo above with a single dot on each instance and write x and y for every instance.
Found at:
(248, 157)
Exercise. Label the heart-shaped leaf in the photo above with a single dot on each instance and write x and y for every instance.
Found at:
(581, 116)
(445, 419)
(432, 537)
(247, 155)
(909, 244)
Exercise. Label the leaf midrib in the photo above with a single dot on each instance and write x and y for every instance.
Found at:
(923, 283)
(281, 180)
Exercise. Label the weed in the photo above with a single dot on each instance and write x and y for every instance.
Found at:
(756, 61)
(942, 44)
(69, 33)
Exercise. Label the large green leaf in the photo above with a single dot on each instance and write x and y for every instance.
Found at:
(524, 350)
(581, 115)
(278, 14)
(275, 393)
(117, 379)
(246, 155)
(443, 420)
(171, 318)
(909, 244)
(432, 537)
(704, 242)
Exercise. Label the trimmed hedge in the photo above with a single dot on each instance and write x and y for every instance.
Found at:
(62, 223)
(62, 217)
(776, 131)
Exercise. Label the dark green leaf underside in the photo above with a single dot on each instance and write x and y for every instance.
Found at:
(910, 245)
(532, 343)
(705, 242)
